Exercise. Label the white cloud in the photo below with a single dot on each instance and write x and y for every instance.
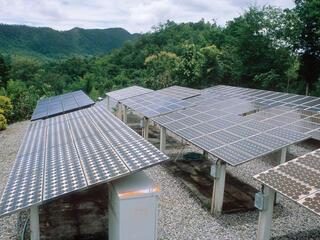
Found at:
(134, 15)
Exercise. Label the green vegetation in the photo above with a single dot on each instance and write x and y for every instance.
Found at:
(265, 48)
(5, 111)
(48, 44)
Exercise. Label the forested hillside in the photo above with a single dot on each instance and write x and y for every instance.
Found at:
(265, 48)
(47, 44)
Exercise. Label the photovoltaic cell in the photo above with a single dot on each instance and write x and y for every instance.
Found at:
(139, 155)
(180, 92)
(230, 155)
(158, 104)
(128, 92)
(269, 141)
(251, 148)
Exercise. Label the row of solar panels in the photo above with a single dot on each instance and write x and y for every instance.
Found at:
(269, 98)
(71, 152)
(64, 103)
(238, 124)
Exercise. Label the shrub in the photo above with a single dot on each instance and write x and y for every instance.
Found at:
(3, 120)
(6, 106)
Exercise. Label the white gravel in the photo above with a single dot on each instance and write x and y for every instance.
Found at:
(180, 213)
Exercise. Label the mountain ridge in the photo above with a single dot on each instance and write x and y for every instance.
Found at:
(45, 43)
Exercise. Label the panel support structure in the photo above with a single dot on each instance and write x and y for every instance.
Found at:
(205, 155)
(282, 160)
(108, 103)
(146, 128)
(163, 137)
(120, 111)
(125, 115)
(218, 188)
(34, 223)
(265, 216)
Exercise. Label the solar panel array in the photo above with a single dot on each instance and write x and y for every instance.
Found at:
(290, 111)
(155, 104)
(49, 107)
(298, 179)
(128, 92)
(180, 92)
(226, 135)
(71, 152)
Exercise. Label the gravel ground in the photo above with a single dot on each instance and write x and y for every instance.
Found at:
(180, 213)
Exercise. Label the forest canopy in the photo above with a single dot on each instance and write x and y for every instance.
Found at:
(264, 48)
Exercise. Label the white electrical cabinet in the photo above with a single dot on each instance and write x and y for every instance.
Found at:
(133, 208)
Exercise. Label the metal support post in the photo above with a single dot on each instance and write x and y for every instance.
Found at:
(282, 160)
(146, 128)
(205, 155)
(163, 137)
(120, 111)
(125, 113)
(34, 223)
(218, 188)
(265, 216)
(108, 103)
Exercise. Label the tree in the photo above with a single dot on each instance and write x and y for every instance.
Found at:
(304, 35)
(4, 72)
(251, 37)
(187, 70)
(210, 66)
(160, 68)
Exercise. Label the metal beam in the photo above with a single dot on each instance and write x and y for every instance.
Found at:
(163, 137)
(218, 188)
(265, 216)
(34, 223)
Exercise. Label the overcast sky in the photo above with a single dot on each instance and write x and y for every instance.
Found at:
(133, 15)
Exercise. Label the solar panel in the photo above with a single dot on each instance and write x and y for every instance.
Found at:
(71, 152)
(230, 155)
(63, 172)
(139, 154)
(53, 106)
(180, 92)
(269, 141)
(157, 104)
(298, 179)
(224, 115)
(288, 134)
(128, 92)
(24, 186)
(251, 148)
(242, 131)
(206, 143)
